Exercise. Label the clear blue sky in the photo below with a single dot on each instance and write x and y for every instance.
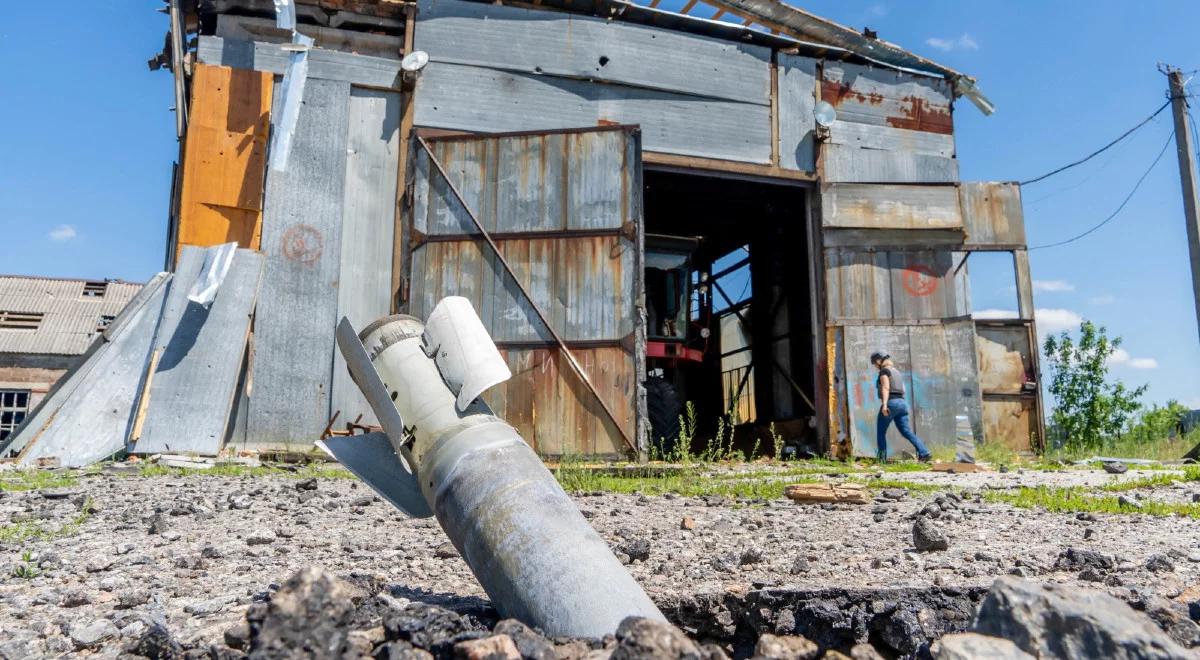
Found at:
(88, 140)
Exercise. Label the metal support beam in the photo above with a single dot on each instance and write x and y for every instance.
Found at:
(562, 345)
(774, 360)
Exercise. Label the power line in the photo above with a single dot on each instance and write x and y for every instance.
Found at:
(1101, 149)
(1125, 201)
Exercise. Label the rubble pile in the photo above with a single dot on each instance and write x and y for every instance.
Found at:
(316, 614)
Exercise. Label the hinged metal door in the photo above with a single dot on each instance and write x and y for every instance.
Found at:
(543, 233)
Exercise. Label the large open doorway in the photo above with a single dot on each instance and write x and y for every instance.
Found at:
(729, 311)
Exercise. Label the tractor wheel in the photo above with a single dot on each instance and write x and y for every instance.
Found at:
(664, 408)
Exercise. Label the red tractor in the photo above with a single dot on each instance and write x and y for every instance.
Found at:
(678, 317)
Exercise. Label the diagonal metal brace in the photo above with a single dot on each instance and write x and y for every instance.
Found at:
(562, 345)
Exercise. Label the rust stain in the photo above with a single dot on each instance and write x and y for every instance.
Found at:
(835, 93)
(919, 115)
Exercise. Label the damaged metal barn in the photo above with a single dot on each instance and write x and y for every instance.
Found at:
(645, 207)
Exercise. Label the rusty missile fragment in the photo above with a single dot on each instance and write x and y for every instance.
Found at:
(525, 541)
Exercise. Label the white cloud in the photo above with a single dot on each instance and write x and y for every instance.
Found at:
(1102, 300)
(1052, 286)
(962, 42)
(994, 314)
(62, 233)
(1053, 320)
(1123, 358)
(1049, 320)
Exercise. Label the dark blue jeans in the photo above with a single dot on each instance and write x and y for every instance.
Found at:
(898, 409)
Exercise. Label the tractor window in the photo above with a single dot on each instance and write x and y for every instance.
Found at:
(666, 294)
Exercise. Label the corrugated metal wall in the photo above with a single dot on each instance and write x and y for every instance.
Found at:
(496, 68)
(564, 209)
(327, 236)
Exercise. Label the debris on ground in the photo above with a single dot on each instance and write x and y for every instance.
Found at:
(829, 493)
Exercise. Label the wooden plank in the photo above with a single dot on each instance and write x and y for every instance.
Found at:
(225, 158)
(362, 70)
(199, 359)
(866, 206)
(797, 126)
(1005, 358)
(858, 284)
(92, 421)
(566, 45)
(479, 99)
(297, 310)
(249, 28)
(400, 237)
(368, 222)
(1025, 307)
(834, 493)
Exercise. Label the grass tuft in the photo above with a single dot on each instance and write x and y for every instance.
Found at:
(1081, 500)
(35, 480)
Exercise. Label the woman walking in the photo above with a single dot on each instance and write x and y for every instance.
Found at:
(890, 386)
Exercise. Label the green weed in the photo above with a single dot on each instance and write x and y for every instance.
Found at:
(1081, 500)
(35, 480)
(27, 569)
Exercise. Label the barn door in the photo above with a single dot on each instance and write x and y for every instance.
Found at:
(563, 209)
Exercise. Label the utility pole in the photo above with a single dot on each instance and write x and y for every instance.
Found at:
(1187, 176)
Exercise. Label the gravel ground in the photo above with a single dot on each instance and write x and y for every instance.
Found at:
(195, 551)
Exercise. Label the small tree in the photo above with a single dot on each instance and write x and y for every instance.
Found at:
(1088, 409)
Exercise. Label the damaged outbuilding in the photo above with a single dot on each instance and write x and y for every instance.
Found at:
(645, 207)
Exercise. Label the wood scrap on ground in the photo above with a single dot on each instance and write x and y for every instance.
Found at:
(835, 493)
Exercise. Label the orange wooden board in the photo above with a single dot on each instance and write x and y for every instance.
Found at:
(225, 157)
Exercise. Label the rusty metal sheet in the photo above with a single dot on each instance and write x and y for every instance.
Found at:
(887, 138)
(487, 100)
(940, 374)
(926, 286)
(855, 205)
(1006, 360)
(992, 214)
(573, 46)
(857, 284)
(560, 207)
(797, 125)
(870, 95)
(869, 284)
(850, 164)
(1011, 422)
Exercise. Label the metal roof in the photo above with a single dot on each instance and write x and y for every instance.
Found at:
(69, 319)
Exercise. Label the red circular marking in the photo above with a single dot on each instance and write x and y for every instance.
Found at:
(920, 280)
(302, 243)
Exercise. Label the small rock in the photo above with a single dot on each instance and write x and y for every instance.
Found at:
(894, 493)
(531, 645)
(1128, 502)
(1159, 564)
(445, 551)
(751, 555)
(312, 610)
(260, 538)
(158, 524)
(157, 642)
(307, 484)
(130, 599)
(237, 636)
(496, 647)
(75, 598)
(972, 646)
(639, 638)
(864, 651)
(1115, 467)
(785, 647)
(927, 538)
(687, 523)
(800, 565)
(637, 549)
(100, 564)
(93, 633)
(1051, 621)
